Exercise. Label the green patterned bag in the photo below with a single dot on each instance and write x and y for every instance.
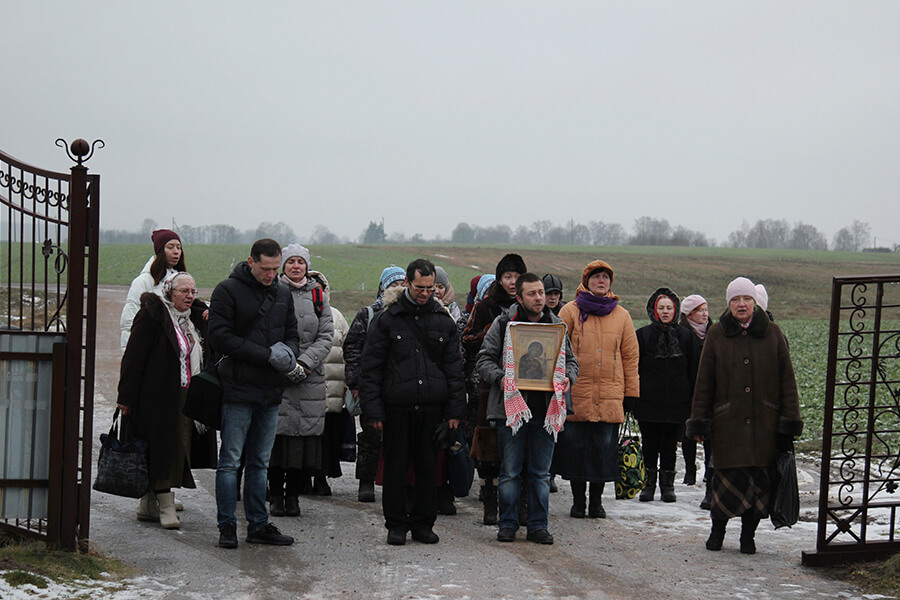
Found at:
(631, 461)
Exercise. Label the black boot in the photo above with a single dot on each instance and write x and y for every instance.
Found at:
(717, 535)
(276, 506)
(690, 473)
(489, 498)
(579, 501)
(748, 532)
(291, 506)
(445, 501)
(366, 491)
(321, 487)
(706, 503)
(595, 506)
(667, 485)
(649, 486)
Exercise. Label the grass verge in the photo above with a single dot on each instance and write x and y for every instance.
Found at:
(30, 562)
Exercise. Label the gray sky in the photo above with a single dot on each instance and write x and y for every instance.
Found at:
(432, 113)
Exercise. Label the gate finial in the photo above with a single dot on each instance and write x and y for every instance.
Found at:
(80, 148)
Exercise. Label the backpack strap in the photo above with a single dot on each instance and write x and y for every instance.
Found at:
(318, 300)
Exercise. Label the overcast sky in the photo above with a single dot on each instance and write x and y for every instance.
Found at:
(431, 113)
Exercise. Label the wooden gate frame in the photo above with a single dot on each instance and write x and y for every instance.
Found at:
(71, 434)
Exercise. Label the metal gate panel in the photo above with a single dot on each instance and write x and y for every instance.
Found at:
(860, 473)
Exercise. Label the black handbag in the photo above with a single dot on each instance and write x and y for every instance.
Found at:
(122, 468)
(786, 501)
(460, 466)
(204, 398)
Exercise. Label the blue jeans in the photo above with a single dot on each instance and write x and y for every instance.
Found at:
(538, 444)
(249, 428)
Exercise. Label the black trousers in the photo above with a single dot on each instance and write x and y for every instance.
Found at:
(408, 437)
(660, 441)
(368, 443)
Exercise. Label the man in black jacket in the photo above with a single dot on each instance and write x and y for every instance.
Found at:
(253, 325)
(411, 381)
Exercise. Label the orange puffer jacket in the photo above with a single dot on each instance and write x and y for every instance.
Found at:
(608, 357)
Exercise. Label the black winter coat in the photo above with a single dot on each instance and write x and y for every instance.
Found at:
(150, 379)
(237, 333)
(667, 384)
(398, 372)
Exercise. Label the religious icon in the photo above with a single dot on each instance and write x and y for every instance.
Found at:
(535, 350)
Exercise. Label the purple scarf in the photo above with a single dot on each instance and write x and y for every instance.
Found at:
(589, 304)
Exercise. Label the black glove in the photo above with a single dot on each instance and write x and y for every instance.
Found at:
(629, 403)
(784, 443)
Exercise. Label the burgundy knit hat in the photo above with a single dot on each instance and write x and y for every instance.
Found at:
(161, 237)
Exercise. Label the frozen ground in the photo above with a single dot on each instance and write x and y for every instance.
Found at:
(643, 550)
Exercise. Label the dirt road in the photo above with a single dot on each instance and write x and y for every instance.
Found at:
(642, 550)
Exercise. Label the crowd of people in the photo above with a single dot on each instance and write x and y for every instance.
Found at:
(537, 386)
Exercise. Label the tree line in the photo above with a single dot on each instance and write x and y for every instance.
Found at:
(646, 231)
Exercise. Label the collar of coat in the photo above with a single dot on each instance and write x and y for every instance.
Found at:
(395, 301)
(759, 324)
(547, 315)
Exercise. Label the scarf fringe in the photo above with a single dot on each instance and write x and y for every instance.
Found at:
(517, 411)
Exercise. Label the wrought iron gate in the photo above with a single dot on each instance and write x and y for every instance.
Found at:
(49, 227)
(858, 499)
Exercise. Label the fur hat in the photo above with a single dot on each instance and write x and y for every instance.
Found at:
(594, 266)
(295, 250)
(762, 296)
(691, 302)
(741, 286)
(511, 262)
(161, 237)
(391, 274)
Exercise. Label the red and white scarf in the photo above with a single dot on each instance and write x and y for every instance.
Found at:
(517, 411)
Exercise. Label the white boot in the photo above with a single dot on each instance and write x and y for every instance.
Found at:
(178, 505)
(148, 508)
(167, 516)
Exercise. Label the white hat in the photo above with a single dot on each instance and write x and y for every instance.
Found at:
(740, 287)
(762, 296)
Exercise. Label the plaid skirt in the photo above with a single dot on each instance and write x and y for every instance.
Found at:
(743, 490)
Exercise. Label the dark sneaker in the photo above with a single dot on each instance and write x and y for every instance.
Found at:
(506, 534)
(541, 536)
(269, 535)
(396, 537)
(228, 536)
(425, 536)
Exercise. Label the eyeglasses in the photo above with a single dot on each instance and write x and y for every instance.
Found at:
(422, 288)
(186, 291)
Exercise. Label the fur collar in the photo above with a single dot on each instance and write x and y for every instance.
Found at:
(759, 325)
(392, 295)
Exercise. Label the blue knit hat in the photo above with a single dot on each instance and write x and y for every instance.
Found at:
(390, 275)
(483, 284)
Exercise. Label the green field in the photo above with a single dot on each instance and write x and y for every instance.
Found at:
(799, 282)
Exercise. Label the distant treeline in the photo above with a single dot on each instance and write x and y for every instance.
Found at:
(646, 231)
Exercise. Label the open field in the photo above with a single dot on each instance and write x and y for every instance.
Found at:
(799, 282)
